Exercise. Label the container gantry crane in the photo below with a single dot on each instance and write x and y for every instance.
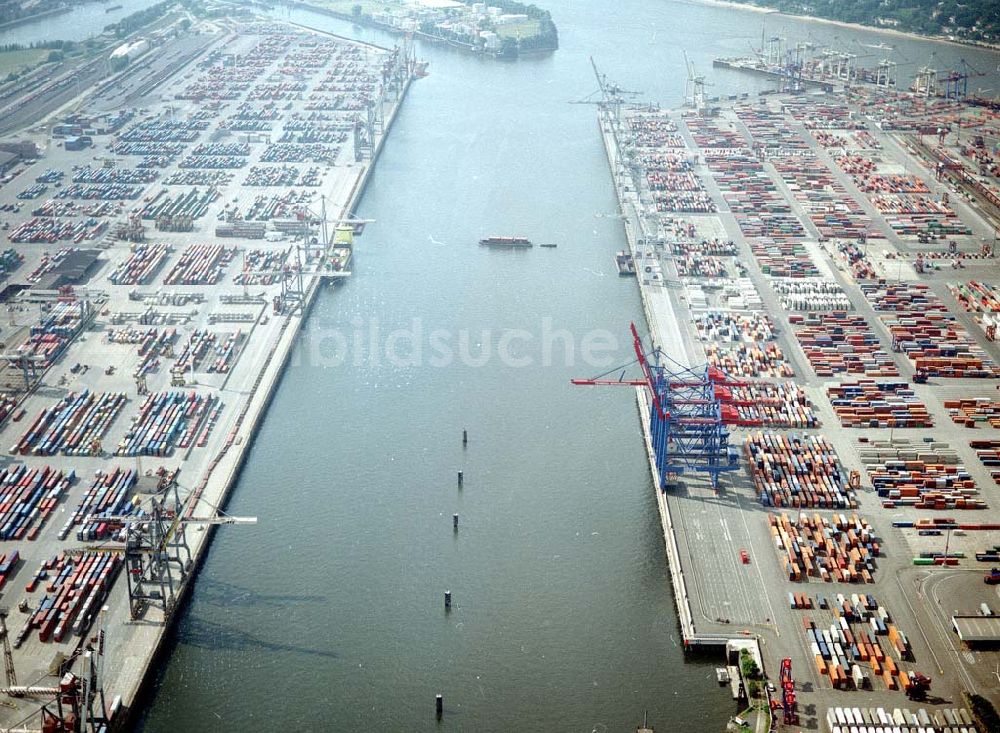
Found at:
(156, 549)
(687, 418)
(77, 704)
(956, 81)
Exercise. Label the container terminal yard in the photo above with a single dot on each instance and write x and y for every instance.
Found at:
(816, 378)
(164, 243)
(817, 386)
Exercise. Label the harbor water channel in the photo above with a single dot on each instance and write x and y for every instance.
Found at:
(329, 615)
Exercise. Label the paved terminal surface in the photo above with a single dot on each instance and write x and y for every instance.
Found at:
(116, 296)
(772, 214)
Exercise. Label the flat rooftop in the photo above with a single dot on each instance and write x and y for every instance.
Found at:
(72, 270)
(977, 629)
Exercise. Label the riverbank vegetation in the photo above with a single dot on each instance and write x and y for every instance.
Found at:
(20, 60)
(139, 19)
(17, 59)
(970, 20)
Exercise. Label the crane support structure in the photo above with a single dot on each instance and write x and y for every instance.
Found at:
(956, 82)
(158, 560)
(687, 418)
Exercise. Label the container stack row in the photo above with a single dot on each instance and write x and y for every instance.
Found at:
(838, 342)
(112, 493)
(140, 266)
(923, 476)
(781, 253)
(974, 412)
(163, 419)
(201, 264)
(883, 720)
(191, 205)
(977, 297)
(55, 331)
(870, 404)
(27, 497)
(834, 213)
(48, 230)
(861, 647)
(75, 589)
(261, 267)
(810, 294)
(839, 549)
(74, 426)
(769, 405)
(922, 328)
(988, 452)
(791, 470)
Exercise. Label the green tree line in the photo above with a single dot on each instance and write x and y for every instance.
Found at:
(972, 20)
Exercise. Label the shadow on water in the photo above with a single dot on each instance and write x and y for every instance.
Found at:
(204, 634)
(220, 593)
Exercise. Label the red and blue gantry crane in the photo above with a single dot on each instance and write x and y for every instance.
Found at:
(689, 411)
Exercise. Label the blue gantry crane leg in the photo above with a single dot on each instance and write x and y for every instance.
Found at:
(688, 429)
(687, 424)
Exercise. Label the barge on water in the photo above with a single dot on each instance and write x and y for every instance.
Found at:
(505, 242)
(625, 264)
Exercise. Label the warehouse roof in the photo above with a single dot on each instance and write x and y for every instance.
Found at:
(973, 629)
(71, 271)
(8, 159)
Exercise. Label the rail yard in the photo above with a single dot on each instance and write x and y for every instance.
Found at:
(819, 388)
(155, 286)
